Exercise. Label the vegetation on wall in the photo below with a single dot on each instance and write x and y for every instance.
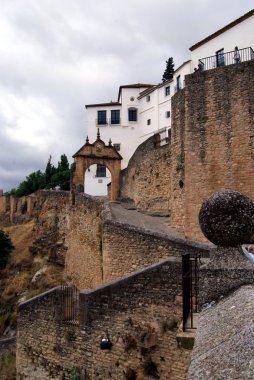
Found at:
(6, 247)
(180, 163)
(52, 177)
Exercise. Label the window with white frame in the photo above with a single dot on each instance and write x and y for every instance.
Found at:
(148, 98)
(102, 117)
(132, 114)
(167, 114)
(167, 90)
(101, 171)
(148, 121)
(115, 117)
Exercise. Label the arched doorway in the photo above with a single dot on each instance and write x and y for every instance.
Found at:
(97, 178)
(100, 154)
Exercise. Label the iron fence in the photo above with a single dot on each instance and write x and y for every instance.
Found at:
(70, 305)
(190, 282)
(224, 59)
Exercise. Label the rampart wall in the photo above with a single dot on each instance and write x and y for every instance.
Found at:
(177, 180)
(84, 240)
(216, 129)
(138, 314)
(146, 180)
(51, 212)
(127, 248)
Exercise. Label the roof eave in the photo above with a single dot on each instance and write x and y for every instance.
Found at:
(222, 30)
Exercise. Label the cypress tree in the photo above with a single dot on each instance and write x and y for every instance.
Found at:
(169, 71)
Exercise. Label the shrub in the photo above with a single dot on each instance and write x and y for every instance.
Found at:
(6, 247)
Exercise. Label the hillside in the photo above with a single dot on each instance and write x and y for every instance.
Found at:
(25, 276)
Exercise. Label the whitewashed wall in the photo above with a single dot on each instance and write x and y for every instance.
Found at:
(126, 133)
(241, 35)
(96, 185)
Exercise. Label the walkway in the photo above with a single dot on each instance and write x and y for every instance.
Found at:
(159, 224)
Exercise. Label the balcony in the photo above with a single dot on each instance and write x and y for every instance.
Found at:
(224, 59)
(178, 87)
(101, 122)
(105, 122)
(114, 121)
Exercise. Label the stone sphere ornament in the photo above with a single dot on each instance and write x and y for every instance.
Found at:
(226, 218)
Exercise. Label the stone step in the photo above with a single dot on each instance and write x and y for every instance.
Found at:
(186, 339)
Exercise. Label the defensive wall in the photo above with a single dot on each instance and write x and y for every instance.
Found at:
(84, 262)
(127, 248)
(146, 180)
(80, 234)
(213, 127)
(138, 314)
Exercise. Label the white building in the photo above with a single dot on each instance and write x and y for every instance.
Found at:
(155, 104)
(118, 121)
(143, 110)
(218, 48)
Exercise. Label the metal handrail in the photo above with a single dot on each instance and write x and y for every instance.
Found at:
(225, 59)
(114, 121)
(101, 121)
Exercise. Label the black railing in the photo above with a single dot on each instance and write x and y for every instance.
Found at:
(101, 121)
(190, 273)
(70, 304)
(114, 121)
(225, 59)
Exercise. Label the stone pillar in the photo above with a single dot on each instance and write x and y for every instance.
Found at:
(227, 219)
(13, 207)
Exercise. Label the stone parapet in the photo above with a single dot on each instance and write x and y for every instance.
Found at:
(138, 314)
(227, 270)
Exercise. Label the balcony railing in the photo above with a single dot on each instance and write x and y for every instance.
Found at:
(101, 121)
(104, 122)
(114, 121)
(178, 87)
(225, 59)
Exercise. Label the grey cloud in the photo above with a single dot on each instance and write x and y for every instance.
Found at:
(72, 53)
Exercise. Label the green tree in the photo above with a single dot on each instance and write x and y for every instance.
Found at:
(33, 182)
(63, 164)
(6, 247)
(49, 171)
(169, 71)
(52, 177)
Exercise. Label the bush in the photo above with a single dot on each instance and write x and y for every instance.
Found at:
(6, 247)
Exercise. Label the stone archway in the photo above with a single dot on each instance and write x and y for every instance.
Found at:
(96, 153)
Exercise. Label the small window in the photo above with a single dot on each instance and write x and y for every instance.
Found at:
(167, 90)
(115, 117)
(167, 114)
(101, 171)
(148, 98)
(102, 117)
(178, 83)
(148, 121)
(132, 114)
(117, 146)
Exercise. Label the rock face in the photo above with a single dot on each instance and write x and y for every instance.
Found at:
(227, 219)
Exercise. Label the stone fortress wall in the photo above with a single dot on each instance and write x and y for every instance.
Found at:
(213, 126)
(138, 314)
(212, 130)
(146, 180)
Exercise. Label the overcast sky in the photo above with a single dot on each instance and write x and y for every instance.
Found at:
(58, 55)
